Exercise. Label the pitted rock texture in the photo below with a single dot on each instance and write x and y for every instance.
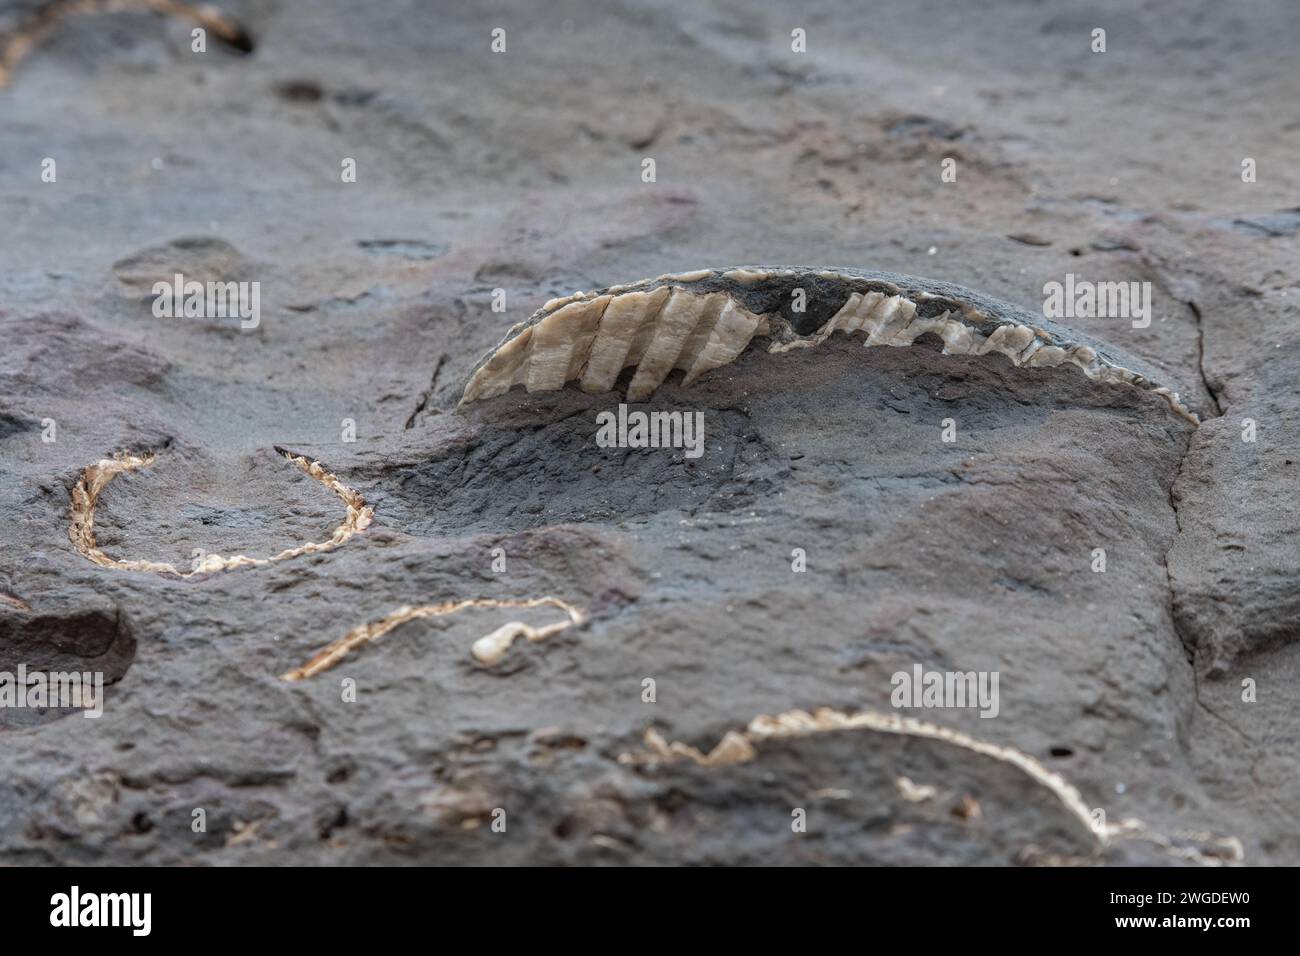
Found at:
(1161, 688)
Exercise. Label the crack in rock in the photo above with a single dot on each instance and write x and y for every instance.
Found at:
(1200, 357)
(427, 394)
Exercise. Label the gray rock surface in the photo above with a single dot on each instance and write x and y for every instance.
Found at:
(522, 171)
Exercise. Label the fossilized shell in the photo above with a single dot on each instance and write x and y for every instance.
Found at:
(487, 650)
(46, 18)
(742, 746)
(95, 478)
(699, 321)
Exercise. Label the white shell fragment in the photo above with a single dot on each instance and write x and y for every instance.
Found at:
(564, 339)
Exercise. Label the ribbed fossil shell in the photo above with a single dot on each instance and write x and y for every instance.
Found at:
(699, 321)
